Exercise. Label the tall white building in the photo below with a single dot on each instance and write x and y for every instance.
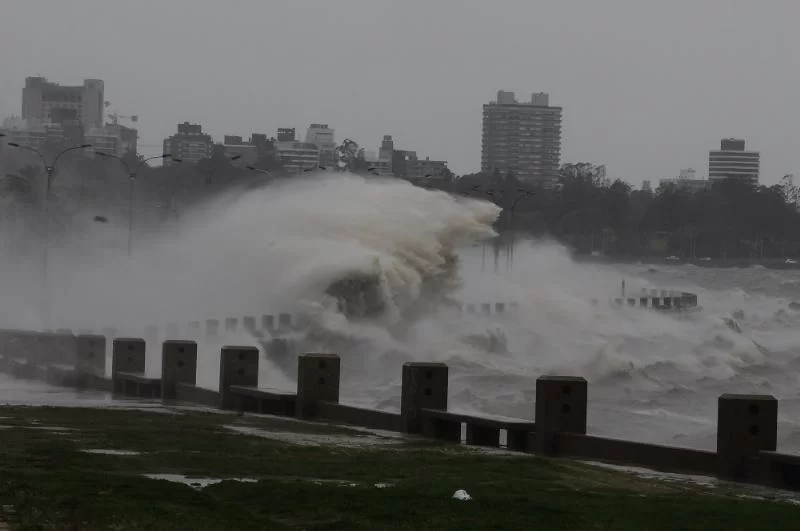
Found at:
(522, 138)
(731, 160)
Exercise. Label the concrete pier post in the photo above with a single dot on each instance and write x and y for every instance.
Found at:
(285, 321)
(486, 308)
(231, 324)
(178, 365)
(746, 425)
(424, 387)
(268, 322)
(194, 329)
(249, 324)
(127, 355)
(237, 366)
(560, 407)
(317, 380)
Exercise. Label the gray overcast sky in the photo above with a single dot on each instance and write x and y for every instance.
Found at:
(647, 86)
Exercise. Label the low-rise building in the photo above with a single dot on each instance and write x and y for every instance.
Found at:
(298, 156)
(190, 144)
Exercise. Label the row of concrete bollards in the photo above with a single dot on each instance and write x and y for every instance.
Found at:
(746, 428)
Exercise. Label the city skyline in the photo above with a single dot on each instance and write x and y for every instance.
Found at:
(646, 88)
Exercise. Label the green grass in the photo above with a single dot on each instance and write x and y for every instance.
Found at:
(53, 485)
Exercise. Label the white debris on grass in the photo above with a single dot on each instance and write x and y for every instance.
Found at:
(461, 495)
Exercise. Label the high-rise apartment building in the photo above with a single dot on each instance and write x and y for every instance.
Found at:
(522, 138)
(189, 144)
(51, 103)
(731, 160)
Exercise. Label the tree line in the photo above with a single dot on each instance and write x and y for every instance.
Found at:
(731, 219)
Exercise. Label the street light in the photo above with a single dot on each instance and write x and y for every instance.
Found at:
(49, 168)
(131, 182)
(50, 171)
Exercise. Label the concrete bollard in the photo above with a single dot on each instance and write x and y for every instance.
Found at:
(212, 327)
(560, 407)
(500, 308)
(746, 425)
(317, 380)
(268, 322)
(285, 321)
(173, 331)
(249, 324)
(91, 355)
(643, 302)
(424, 387)
(178, 365)
(655, 302)
(127, 355)
(237, 366)
(631, 302)
(486, 308)
(194, 329)
(666, 303)
(231, 324)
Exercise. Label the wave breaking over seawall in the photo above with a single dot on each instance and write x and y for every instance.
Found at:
(653, 376)
(267, 250)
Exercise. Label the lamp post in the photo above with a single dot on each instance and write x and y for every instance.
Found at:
(521, 194)
(131, 183)
(50, 173)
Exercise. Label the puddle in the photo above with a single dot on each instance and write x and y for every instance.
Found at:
(700, 481)
(196, 483)
(104, 451)
(739, 490)
(316, 439)
(384, 434)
